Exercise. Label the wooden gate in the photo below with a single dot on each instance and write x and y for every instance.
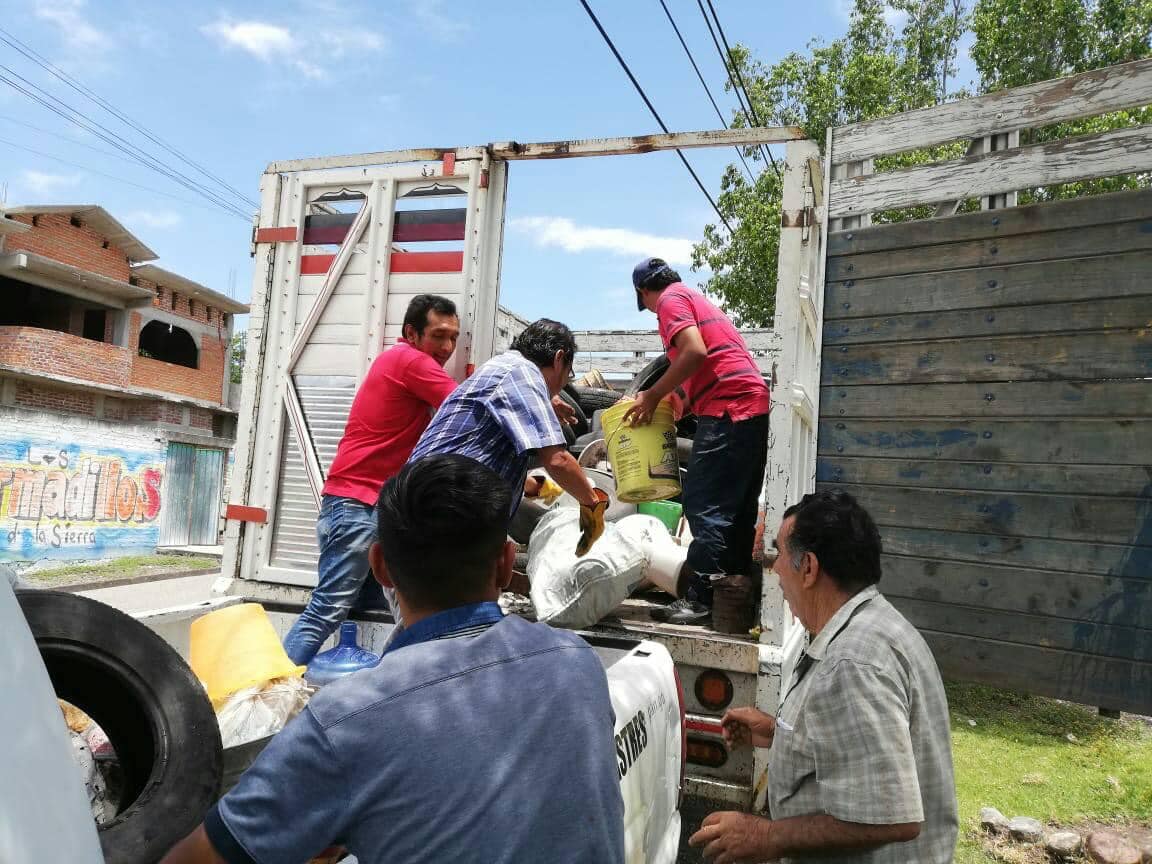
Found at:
(986, 389)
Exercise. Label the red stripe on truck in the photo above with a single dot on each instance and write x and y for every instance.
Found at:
(711, 727)
(427, 262)
(313, 264)
(240, 513)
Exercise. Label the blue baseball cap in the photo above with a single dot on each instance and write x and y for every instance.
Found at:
(644, 271)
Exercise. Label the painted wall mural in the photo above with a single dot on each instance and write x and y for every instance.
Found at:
(75, 500)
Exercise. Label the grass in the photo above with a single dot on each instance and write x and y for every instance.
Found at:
(1019, 759)
(128, 567)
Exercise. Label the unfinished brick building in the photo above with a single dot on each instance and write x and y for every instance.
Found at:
(115, 422)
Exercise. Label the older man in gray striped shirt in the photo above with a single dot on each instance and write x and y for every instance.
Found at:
(860, 766)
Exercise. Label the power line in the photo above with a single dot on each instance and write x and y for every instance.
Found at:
(704, 84)
(114, 139)
(74, 141)
(92, 170)
(83, 90)
(651, 108)
(729, 66)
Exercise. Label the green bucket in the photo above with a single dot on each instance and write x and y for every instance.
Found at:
(668, 512)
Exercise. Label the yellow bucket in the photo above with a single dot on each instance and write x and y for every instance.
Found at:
(643, 458)
(237, 647)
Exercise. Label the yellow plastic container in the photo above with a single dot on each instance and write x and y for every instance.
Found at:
(643, 458)
(237, 647)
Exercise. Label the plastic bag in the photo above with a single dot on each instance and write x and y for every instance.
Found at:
(260, 711)
(577, 592)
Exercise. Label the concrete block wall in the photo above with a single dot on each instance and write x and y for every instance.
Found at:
(54, 236)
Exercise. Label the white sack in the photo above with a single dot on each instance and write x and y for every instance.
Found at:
(577, 592)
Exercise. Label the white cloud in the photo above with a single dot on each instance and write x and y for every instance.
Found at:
(158, 219)
(43, 183)
(68, 16)
(567, 235)
(444, 25)
(279, 44)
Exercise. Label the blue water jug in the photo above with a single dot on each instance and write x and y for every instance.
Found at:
(346, 658)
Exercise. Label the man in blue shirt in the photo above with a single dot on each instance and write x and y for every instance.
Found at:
(478, 737)
(502, 416)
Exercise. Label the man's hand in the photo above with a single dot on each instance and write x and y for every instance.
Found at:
(591, 522)
(640, 412)
(565, 413)
(748, 726)
(729, 837)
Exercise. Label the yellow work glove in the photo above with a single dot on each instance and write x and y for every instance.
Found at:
(591, 523)
(549, 491)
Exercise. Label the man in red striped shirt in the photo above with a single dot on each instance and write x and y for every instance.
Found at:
(718, 381)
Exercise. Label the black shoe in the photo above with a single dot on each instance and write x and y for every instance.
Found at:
(683, 611)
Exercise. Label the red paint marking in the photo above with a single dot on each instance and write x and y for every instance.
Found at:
(484, 179)
(240, 513)
(427, 231)
(712, 727)
(312, 264)
(331, 234)
(469, 369)
(421, 262)
(276, 235)
(449, 164)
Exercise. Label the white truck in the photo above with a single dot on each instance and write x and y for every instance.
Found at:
(342, 244)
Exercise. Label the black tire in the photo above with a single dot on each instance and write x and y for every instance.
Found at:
(649, 375)
(149, 704)
(580, 427)
(592, 399)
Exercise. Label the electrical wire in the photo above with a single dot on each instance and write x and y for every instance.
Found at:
(76, 142)
(652, 109)
(96, 171)
(704, 84)
(729, 67)
(110, 137)
(83, 90)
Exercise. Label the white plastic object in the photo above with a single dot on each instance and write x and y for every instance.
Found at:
(257, 712)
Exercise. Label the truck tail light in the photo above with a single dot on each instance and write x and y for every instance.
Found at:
(713, 690)
(683, 736)
(707, 752)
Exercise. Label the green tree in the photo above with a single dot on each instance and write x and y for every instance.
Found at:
(872, 71)
(876, 69)
(236, 364)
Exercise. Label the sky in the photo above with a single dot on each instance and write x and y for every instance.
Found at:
(236, 86)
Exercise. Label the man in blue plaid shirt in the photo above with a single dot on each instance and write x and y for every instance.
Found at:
(502, 416)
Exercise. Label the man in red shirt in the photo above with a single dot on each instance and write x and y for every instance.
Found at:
(718, 381)
(393, 406)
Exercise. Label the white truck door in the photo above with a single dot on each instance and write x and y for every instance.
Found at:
(347, 249)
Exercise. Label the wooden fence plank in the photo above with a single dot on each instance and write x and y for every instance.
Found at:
(1122, 275)
(1084, 157)
(999, 399)
(1060, 357)
(1132, 236)
(1048, 216)
(1088, 637)
(649, 340)
(1114, 88)
(1015, 514)
(1110, 683)
(1102, 559)
(1063, 442)
(1060, 594)
(1119, 480)
(1094, 314)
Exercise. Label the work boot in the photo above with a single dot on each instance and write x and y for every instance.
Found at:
(683, 611)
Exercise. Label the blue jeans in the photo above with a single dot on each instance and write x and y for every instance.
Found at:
(345, 530)
(721, 496)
